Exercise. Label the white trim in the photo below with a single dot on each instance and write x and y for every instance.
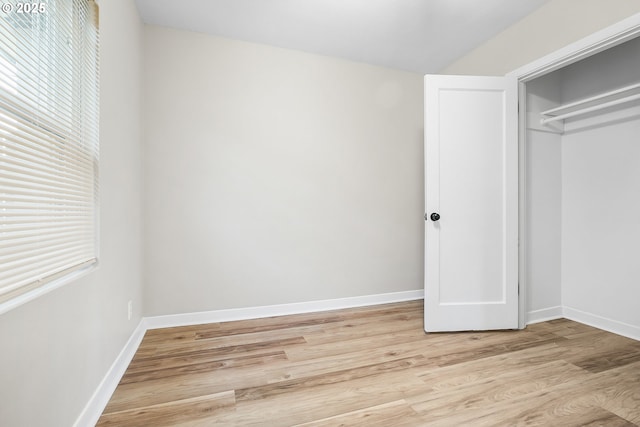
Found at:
(543, 315)
(98, 401)
(604, 39)
(34, 293)
(523, 296)
(278, 310)
(606, 324)
(94, 408)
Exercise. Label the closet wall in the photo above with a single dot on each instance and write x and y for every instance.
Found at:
(601, 193)
(543, 204)
(584, 197)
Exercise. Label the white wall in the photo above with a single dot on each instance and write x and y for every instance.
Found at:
(601, 222)
(274, 176)
(601, 195)
(554, 25)
(543, 204)
(56, 349)
(543, 225)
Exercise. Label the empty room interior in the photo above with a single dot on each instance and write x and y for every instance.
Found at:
(319, 213)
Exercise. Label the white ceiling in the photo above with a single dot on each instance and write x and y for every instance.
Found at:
(422, 36)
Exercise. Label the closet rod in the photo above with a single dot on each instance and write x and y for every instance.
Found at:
(618, 91)
(590, 109)
(632, 89)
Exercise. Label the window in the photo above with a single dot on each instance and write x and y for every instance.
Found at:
(48, 144)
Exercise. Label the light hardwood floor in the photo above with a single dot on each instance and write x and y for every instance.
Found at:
(375, 366)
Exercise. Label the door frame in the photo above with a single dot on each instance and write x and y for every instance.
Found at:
(597, 42)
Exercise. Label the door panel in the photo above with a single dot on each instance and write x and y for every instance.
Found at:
(471, 280)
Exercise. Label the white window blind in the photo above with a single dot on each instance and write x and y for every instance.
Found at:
(48, 142)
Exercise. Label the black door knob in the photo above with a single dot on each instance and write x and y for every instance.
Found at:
(435, 216)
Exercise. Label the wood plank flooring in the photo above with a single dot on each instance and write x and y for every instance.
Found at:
(375, 366)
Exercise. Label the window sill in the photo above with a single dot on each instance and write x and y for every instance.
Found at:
(46, 288)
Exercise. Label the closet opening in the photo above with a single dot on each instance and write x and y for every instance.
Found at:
(580, 191)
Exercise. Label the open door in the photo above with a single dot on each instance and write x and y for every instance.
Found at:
(471, 203)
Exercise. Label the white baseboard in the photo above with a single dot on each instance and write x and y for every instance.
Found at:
(537, 316)
(277, 310)
(94, 408)
(610, 325)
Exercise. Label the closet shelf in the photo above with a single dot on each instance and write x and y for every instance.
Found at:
(594, 103)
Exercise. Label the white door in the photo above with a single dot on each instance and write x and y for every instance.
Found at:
(471, 201)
